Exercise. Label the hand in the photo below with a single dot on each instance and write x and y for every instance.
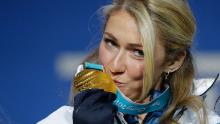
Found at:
(94, 95)
(94, 106)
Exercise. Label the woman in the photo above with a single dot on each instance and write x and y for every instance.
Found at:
(145, 50)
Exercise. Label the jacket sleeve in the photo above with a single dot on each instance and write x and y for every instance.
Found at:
(190, 117)
(94, 106)
(63, 115)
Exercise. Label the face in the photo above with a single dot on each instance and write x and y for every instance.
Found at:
(121, 53)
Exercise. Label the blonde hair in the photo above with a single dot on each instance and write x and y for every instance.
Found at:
(172, 23)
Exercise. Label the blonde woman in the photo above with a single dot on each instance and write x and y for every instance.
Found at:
(148, 69)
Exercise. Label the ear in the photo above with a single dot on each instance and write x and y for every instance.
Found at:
(176, 63)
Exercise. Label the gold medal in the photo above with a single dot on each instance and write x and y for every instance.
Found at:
(93, 79)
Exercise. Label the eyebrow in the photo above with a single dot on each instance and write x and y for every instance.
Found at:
(130, 45)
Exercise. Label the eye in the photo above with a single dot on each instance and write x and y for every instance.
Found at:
(138, 53)
(109, 42)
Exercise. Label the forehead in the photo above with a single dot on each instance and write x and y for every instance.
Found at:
(123, 27)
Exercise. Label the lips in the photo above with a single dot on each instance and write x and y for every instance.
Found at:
(118, 83)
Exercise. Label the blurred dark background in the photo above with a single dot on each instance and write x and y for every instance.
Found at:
(42, 42)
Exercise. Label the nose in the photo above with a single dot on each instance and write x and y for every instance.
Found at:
(118, 64)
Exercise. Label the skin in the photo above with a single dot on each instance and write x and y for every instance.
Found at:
(121, 53)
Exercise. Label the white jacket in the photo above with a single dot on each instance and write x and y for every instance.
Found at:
(64, 114)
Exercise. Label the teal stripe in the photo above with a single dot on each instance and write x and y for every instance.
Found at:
(88, 65)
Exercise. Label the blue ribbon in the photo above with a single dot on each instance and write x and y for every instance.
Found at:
(126, 106)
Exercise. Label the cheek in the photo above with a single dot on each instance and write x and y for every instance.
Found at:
(136, 69)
